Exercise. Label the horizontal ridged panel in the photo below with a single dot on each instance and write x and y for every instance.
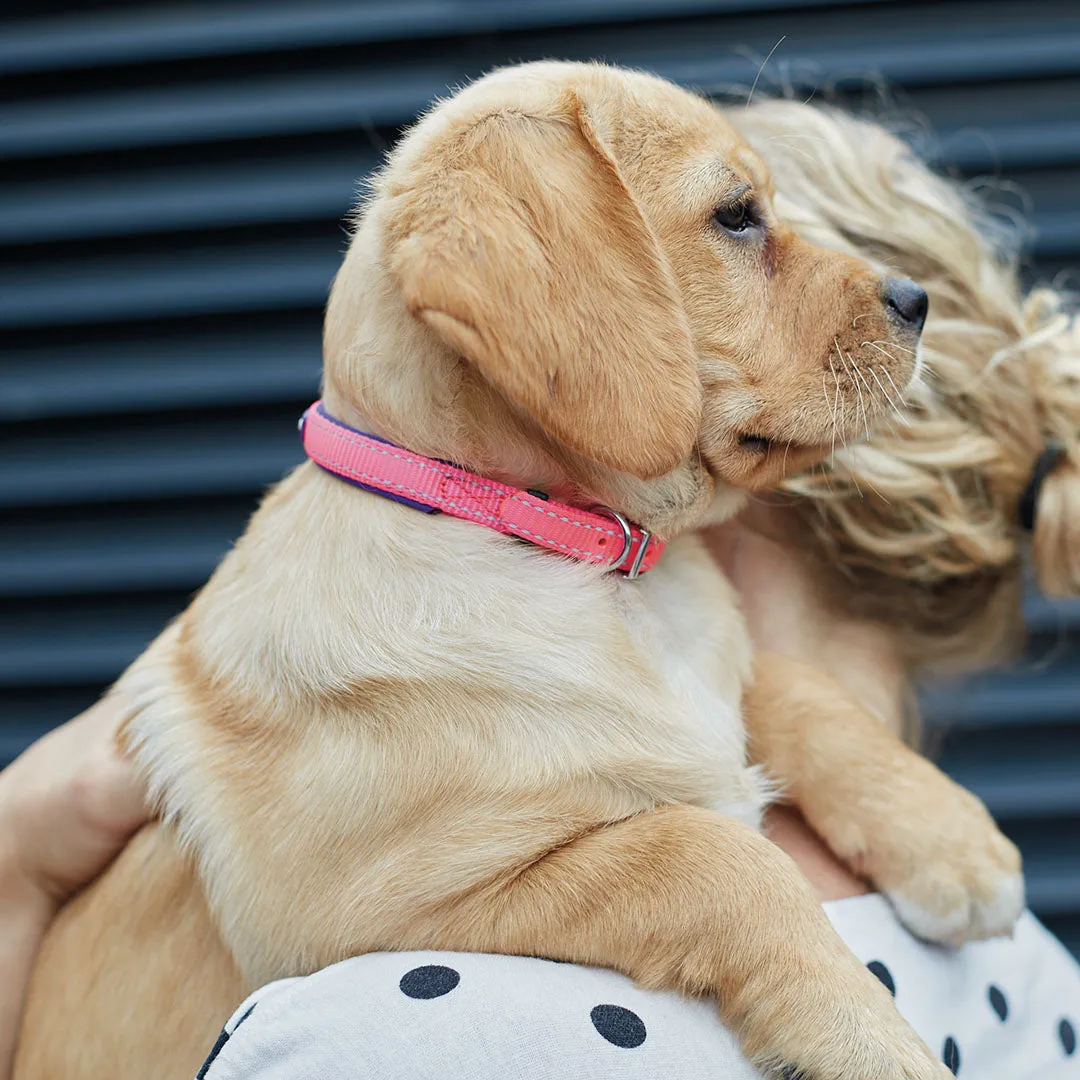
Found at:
(211, 280)
(171, 215)
(200, 197)
(153, 457)
(265, 358)
(1026, 771)
(968, 40)
(139, 37)
(164, 545)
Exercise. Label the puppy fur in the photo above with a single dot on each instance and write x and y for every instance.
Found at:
(376, 729)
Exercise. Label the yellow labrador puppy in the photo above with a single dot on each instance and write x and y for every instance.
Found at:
(377, 728)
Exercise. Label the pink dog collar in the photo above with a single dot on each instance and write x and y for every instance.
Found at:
(600, 536)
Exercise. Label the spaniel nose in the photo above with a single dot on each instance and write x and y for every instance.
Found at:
(905, 301)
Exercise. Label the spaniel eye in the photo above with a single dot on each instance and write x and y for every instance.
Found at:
(736, 219)
(756, 444)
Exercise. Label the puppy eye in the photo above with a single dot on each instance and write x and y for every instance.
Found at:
(756, 444)
(736, 219)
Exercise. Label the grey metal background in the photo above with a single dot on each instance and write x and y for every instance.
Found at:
(171, 190)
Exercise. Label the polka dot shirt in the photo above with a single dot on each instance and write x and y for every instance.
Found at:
(1000, 1010)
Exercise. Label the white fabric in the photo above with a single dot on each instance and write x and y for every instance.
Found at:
(517, 1018)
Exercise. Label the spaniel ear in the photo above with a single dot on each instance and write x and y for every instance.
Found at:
(526, 253)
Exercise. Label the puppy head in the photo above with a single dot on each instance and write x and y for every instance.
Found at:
(919, 530)
(594, 273)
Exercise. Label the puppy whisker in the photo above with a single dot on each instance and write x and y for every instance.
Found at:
(880, 349)
(844, 442)
(896, 409)
(892, 345)
(831, 405)
(853, 371)
(786, 141)
(902, 401)
(802, 153)
(875, 490)
(872, 368)
(786, 137)
(750, 96)
(836, 400)
(899, 396)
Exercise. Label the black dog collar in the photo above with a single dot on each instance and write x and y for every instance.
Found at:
(1047, 462)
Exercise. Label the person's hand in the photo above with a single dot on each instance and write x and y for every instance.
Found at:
(67, 806)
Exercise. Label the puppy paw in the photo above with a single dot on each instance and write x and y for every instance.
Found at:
(848, 1028)
(950, 875)
(977, 896)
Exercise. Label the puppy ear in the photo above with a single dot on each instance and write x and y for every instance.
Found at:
(525, 252)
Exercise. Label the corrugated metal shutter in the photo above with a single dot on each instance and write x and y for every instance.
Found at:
(171, 198)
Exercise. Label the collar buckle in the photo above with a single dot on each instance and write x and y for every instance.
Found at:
(634, 570)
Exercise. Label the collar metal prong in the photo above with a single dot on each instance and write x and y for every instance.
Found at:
(639, 558)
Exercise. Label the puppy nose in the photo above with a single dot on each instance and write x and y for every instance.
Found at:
(906, 301)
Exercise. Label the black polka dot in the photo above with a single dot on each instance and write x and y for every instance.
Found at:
(950, 1054)
(618, 1025)
(219, 1045)
(216, 1049)
(431, 981)
(884, 974)
(247, 1013)
(1067, 1035)
(998, 1003)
